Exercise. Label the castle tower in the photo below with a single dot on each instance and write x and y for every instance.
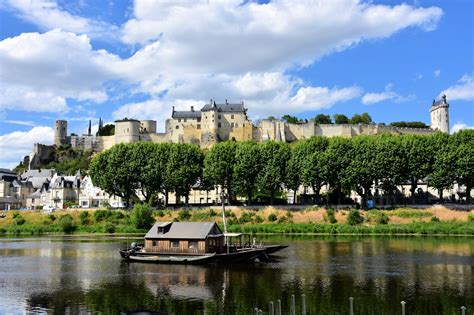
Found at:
(127, 131)
(439, 114)
(60, 132)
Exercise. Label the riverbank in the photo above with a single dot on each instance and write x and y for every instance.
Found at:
(436, 220)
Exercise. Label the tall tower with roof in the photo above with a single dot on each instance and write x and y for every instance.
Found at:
(60, 132)
(439, 114)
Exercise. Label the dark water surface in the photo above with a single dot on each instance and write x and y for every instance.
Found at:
(76, 275)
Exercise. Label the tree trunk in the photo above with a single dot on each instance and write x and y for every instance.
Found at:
(468, 194)
(166, 198)
(249, 197)
(413, 189)
(317, 195)
(186, 200)
(294, 196)
(440, 191)
(272, 197)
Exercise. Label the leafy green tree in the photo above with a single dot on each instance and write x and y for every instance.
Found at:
(273, 173)
(409, 124)
(314, 164)
(294, 168)
(107, 130)
(338, 158)
(463, 150)
(246, 168)
(364, 118)
(112, 171)
(340, 119)
(361, 172)
(142, 216)
(271, 118)
(184, 168)
(291, 119)
(322, 119)
(443, 173)
(219, 165)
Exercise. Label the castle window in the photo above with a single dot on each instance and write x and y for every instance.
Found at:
(236, 125)
(179, 119)
(231, 125)
(199, 119)
(198, 126)
(231, 116)
(218, 116)
(177, 127)
(128, 130)
(218, 125)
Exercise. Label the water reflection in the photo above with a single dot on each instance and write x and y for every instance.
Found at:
(434, 276)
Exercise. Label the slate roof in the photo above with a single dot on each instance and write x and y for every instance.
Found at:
(186, 114)
(182, 230)
(37, 173)
(227, 107)
(7, 175)
(38, 182)
(441, 101)
(9, 199)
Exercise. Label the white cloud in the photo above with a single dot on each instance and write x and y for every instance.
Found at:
(21, 122)
(15, 145)
(460, 126)
(39, 71)
(463, 91)
(388, 94)
(437, 73)
(48, 15)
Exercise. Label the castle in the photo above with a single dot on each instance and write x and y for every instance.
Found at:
(227, 121)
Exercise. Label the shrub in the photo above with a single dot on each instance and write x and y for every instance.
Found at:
(246, 217)
(160, 213)
(258, 219)
(413, 214)
(67, 224)
(212, 213)
(142, 217)
(19, 219)
(117, 215)
(434, 219)
(354, 217)
(470, 217)
(283, 219)
(272, 217)
(109, 227)
(377, 217)
(329, 216)
(184, 215)
(101, 215)
(51, 217)
(289, 215)
(84, 218)
(16, 214)
(38, 207)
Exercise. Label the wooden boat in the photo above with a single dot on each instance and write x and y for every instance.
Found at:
(192, 243)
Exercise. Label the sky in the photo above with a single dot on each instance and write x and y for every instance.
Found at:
(84, 60)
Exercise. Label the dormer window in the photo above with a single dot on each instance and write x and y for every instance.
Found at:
(161, 229)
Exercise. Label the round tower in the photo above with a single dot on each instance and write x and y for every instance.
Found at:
(148, 126)
(127, 131)
(439, 114)
(60, 132)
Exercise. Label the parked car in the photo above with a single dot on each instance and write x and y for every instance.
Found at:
(48, 208)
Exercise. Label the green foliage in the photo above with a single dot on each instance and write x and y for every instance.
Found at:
(364, 118)
(329, 216)
(160, 213)
(470, 217)
(84, 218)
(184, 215)
(434, 219)
(291, 119)
(272, 217)
(51, 217)
(377, 217)
(413, 214)
(69, 161)
(69, 203)
(107, 130)
(18, 219)
(66, 224)
(409, 124)
(322, 119)
(109, 227)
(340, 119)
(219, 164)
(142, 216)
(101, 215)
(246, 168)
(354, 217)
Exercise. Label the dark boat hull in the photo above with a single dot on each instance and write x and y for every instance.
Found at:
(270, 249)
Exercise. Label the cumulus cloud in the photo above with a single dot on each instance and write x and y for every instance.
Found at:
(15, 145)
(460, 126)
(463, 91)
(388, 94)
(40, 71)
(48, 15)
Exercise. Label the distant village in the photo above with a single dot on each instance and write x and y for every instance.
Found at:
(46, 188)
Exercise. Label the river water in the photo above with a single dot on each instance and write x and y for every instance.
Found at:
(80, 275)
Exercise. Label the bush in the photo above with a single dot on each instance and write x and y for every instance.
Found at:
(84, 218)
(258, 219)
(19, 220)
(413, 214)
(354, 217)
(470, 217)
(101, 215)
(67, 224)
(117, 215)
(329, 216)
(272, 217)
(38, 207)
(142, 217)
(51, 217)
(184, 215)
(160, 213)
(377, 217)
(434, 219)
(109, 227)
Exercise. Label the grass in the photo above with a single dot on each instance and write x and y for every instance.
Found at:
(312, 220)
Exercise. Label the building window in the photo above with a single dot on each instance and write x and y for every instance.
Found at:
(192, 244)
(198, 126)
(185, 120)
(231, 125)
(231, 116)
(177, 127)
(199, 119)
(179, 119)
(174, 244)
(218, 116)
(236, 125)
(153, 243)
(218, 125)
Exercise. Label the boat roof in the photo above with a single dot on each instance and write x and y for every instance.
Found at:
(184, 230)
(233, 234)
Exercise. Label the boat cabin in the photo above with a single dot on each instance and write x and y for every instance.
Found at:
(184, 238)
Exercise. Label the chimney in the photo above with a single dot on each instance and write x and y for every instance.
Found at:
(192, 108)
(173, 109)
(226, 102)
(444, 98)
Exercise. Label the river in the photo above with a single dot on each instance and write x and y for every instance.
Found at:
(78, 275)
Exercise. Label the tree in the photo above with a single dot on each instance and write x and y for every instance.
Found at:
(314, 166)
(275, 156)
(409, 124)
(183, 169)
(107, 130)
(443, 173)
(294, 168)
(142, 216)
(463, 146)
(361, 119)
(322, 119)
(291, 119)
(361, 172)
(111, 171)
(338, 157)
(246, 168)
(219, 165)
(340, 119)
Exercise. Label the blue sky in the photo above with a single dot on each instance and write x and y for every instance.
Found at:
(81, 60)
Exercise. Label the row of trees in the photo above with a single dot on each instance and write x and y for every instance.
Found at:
(247, 168)
(319, 119)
